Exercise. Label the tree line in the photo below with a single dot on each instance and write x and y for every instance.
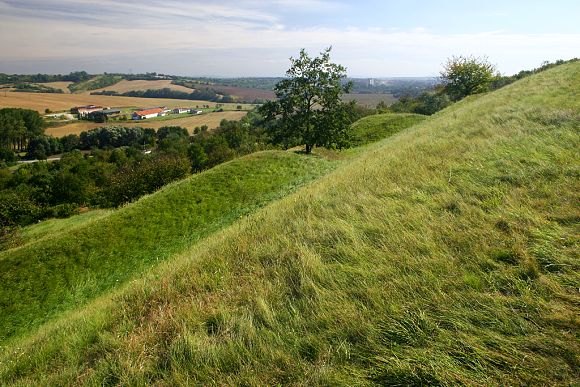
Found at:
(75, 76)
(17, 127)
(461, 76)
(105, 178)
(204, 94)
(34, 88)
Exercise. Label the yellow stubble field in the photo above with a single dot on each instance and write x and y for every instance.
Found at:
(212, 120)
(125, 86)
(63, 102)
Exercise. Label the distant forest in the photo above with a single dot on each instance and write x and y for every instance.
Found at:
(205, 94)
(75, 77)
(81, 81)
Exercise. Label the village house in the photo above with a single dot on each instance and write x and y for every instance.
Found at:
(84, 111)
(149, 113)
(104, 113)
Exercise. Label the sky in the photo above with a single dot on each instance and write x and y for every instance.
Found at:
(248, 38)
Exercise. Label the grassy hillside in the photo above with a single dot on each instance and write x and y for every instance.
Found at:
(373, 128)
(75, 263)
(50, 227)
(124, 86)
(447, 255)
(97, 82)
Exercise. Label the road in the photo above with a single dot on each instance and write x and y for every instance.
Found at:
(35, 160)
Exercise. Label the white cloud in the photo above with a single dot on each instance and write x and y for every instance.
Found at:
(255, 38)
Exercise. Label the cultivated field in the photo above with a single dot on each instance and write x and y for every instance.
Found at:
(370, 100)
(249, 94)
(62, 102)
(125, 86)
(58, 85)
(243, 93)
(212, 120)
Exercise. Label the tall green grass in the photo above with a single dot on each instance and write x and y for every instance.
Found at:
(374, 128)
(86, 255)
(67, 268)
(51, 227)
(447, 255)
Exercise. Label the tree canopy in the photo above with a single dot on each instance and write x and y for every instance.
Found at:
(309, 109)
(466, 75)
(18, 126)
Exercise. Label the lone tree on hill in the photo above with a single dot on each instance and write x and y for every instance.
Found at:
(466, 75)
(309, 109)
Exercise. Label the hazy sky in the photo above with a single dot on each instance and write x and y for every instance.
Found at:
(372, 38)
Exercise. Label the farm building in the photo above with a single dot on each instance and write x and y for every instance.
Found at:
(195, 111)
(84, 111)
(149, 113)
(180, 110)
(104, 113)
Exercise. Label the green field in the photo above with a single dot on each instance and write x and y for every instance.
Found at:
(446, 254)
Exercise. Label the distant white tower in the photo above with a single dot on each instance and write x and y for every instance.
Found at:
(371, 82)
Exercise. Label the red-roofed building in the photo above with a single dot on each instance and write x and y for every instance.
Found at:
(149, 113)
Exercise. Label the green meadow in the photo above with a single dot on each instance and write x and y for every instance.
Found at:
(65, 263)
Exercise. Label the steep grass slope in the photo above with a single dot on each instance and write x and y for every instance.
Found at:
(97, 82)
(374, 128)
(66, 269)
(448, 255)
(50, 227)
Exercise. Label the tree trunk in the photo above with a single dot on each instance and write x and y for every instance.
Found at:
(308, 149)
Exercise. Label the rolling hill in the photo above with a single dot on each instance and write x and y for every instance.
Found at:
(124, 86)
(444, 255)
(61, 271)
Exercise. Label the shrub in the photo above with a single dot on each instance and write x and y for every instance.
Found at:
(62, 210)
(466, 75)
(7, 155)
(17, 209)
(131, 182)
